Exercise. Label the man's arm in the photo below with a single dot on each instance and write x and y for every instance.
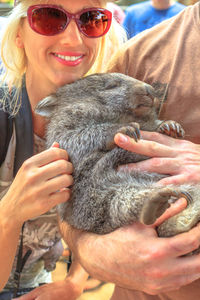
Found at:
(134, 257)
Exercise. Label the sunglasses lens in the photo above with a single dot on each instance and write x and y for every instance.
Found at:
(48, 20)
(94, 23)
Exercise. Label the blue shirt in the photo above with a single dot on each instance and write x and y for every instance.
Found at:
(143, 16)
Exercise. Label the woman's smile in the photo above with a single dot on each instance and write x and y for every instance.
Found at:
(69, 59)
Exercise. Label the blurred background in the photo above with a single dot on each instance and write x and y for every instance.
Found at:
(129, 2)
(6, 5)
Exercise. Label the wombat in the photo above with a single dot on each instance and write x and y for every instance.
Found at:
(83, 118)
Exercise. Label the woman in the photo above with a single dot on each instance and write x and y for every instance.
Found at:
(46, 44)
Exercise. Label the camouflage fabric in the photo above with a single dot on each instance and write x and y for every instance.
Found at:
(41, 234)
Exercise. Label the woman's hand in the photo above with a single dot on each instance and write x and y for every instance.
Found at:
(69, 289)
(170, 156)
(42, 182)
(65, 290)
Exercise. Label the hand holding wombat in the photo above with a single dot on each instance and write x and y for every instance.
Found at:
(84, 118)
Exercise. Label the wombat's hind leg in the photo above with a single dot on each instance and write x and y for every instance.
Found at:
(172, 129)
(159, 201)
(132, 130)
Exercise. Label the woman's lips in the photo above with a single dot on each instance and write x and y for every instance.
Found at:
(69, 59)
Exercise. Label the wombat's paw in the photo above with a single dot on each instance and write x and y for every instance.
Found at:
(172, 129)
(132, 130)
(159, 201)
(184, 220)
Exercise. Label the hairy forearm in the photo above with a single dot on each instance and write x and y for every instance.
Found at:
(133, 256)
(97, 255)
(80, 244)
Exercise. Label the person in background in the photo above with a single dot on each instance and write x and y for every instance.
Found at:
(147, 14)
(117, 11)
(191, 2)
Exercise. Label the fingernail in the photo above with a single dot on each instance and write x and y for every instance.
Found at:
(55, 144)
(122, 138)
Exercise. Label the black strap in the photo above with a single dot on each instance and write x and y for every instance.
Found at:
(21, 260)
(24, 132)
(6, 128)
(69, 261)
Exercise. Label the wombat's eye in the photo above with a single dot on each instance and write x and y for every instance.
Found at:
(141, 105)
(150, 91)
(111, 85)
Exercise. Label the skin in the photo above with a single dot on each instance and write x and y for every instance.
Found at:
(179, 158)
(33, 192)
(43, 180)
(162, 4)
(44, 72)
(69, 289)
(157, 265)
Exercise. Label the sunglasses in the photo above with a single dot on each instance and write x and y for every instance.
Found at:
(51, 20)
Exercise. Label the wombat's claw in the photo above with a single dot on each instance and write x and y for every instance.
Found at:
(166, 128)
(131, 130)
(182, 194)
(136, 135)
(187, 196)
(179, 130)
(172, 129)
(135, 129)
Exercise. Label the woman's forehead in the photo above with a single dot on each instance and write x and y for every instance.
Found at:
(102, 2)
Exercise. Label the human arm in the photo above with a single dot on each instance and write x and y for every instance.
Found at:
(68, 289)
(36, 188)
(134, 257)
(175, 157)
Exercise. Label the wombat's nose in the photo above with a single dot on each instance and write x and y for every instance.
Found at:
(150, 90)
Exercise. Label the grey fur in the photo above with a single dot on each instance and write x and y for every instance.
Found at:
(84, 117)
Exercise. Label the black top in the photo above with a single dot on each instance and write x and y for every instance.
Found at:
(24, 131)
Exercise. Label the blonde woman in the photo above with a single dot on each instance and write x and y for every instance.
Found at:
(37, 59)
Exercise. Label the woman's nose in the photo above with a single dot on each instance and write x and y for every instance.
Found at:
(71, 35)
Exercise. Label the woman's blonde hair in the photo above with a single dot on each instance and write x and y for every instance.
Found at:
(14, 58)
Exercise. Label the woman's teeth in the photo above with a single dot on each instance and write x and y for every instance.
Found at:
(68, 58)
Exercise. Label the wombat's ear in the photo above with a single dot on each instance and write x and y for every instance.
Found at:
(46, 106)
